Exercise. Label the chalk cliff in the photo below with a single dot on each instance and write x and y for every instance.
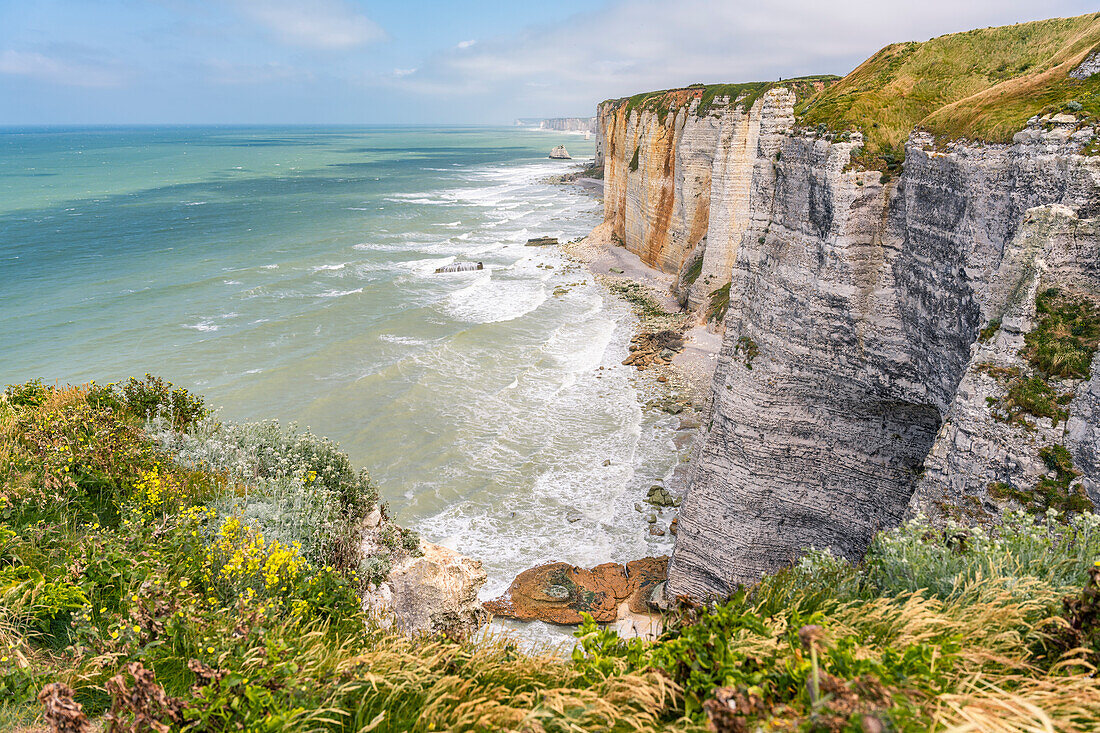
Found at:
(881, 353)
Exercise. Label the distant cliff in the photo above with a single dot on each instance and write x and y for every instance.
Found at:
(562, 124)
(912, 270)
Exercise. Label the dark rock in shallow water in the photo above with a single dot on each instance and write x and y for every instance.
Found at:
(461, 267)
(659, 496)
(541, 241)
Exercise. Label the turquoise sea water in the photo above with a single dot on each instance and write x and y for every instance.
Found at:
(289, 273)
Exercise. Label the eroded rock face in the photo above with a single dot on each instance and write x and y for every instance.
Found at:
(559, 592)
(657, 171)
(855, 307)
(975, 452)
(435, 592)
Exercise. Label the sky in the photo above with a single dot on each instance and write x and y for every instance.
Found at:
(430, 61)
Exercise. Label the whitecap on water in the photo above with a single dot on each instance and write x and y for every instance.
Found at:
(338, 293)
(403, 340)
(489, 301)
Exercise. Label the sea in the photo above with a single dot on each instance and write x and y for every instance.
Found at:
(290, 273)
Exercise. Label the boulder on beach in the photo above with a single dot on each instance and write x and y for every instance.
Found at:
(560, 153)
(461, 267)
(541, 241)
(559, 592)
(435, 591)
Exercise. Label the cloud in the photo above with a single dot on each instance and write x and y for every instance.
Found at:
(465, 44)
(57, 70)
(224, 72)
(403, 72)
(637, 45)
(319, 24)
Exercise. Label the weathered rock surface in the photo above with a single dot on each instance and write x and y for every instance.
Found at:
(657, 178)
(973, 451)
(560, 153)
(460, 267)
(559, 592)
(847, 389)
(654, 349)
(435, 592)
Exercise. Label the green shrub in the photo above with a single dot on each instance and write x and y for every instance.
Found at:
(747, 349)
(634, 158)
(693, 271)
(1064, 340)
(28, 394)
(719, 304)
(990, 329)
(1030, 396)
(149, 398)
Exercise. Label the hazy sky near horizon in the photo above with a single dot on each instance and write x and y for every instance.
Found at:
(430, 61)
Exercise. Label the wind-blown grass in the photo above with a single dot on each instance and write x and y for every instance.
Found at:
(982, 85)
(134, 580)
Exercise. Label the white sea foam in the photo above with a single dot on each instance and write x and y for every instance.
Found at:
(328, 268)
(202, 326)
(338, 293)
(489, 301)
(403, 340)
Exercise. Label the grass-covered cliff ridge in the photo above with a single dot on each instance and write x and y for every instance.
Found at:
(162, 571)
(713, 97)
(980, 85)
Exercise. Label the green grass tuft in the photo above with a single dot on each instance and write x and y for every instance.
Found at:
(1065, 339)
(719, 304)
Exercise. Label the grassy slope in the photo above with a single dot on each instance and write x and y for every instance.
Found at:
(117, 552)
(982, 85)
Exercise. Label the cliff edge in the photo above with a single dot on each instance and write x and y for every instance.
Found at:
(903, 262)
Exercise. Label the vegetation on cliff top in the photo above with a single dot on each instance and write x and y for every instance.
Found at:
(712, 96)
(162, 571)
(983, 85)
(980, 85)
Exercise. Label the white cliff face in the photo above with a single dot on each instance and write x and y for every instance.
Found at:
(657, 178)
(848, 391)
(744, 139)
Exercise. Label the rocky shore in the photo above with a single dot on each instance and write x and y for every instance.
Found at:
(674, 357)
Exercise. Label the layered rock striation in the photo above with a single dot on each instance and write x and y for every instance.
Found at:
(868, 316)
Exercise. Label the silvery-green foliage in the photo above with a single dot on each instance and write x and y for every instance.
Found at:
(287, 510)
(297, 487)
(1056, 548)
(266, 450)
(944, 561)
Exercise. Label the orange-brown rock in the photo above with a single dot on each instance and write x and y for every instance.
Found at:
(559, 592)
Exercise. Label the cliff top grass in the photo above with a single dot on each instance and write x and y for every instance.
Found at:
(714, 96)
(979, 85)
